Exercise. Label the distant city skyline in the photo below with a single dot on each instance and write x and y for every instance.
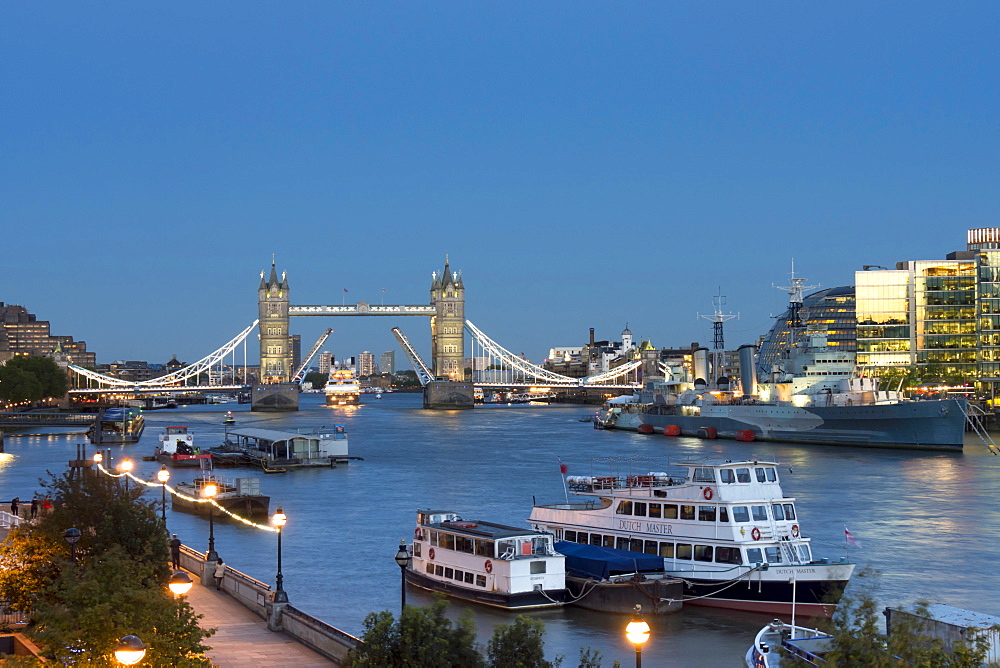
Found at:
(583, 166)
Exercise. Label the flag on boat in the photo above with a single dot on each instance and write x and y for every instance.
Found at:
(562, 467)
(345, 289)
(851, 540)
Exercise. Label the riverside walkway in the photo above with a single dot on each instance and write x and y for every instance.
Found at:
(242, 638)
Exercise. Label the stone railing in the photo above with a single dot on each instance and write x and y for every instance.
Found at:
(259, 598)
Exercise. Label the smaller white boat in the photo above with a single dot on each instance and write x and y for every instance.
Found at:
(177, 449)
(804, 644)
(483, 562)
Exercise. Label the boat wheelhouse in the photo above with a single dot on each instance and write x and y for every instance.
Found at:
(483, 562)
(726, 528)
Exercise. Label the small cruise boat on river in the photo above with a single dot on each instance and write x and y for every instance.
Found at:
(483, 562)
(238, 495)
(342, 389)
(177, 449)
(725, 528)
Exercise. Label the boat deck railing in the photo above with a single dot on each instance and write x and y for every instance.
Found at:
(596, 483)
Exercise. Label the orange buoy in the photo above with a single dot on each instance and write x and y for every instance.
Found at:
(745, 435)
(671, 430)
(645, 429)
(708, 432)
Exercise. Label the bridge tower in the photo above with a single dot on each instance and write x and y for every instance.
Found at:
(448, 324)
(275, 343)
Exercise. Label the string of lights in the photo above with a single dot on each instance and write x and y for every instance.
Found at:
(175, 492)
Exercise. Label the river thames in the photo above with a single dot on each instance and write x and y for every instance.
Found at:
(924, 520)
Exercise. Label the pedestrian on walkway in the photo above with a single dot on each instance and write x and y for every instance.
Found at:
(34, 507)
(220, 572)
(175, 551)
(13, 505)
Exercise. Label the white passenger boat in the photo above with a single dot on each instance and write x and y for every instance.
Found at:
(483, 562)
(725, 528)
(342, 388)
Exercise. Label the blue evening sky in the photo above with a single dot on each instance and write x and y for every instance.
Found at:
(585, 164)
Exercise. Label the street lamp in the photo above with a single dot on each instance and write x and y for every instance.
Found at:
(163, 475)
(279, 520)
(71, 536)
(180, 584)
(126, 467)
(209, 490)
(637, 632)
(403, 558)
(130, 650)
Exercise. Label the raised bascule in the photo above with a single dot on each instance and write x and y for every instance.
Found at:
(445, 379)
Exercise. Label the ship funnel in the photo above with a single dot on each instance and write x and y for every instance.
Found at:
(748, 374)
(701, 363)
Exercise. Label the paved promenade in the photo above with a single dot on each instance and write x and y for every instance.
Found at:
(242, 638)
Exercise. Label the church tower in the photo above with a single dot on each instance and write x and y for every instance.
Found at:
(448, 324)
(275, 343)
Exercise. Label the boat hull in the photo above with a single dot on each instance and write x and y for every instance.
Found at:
(656, 596)
(184, 461)
(930, 425)
(244, 506)
(518, 601)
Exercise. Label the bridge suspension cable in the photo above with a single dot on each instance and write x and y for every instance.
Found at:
(530, 372)
(175, 378)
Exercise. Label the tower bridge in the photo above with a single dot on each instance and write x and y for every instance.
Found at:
(446, 313)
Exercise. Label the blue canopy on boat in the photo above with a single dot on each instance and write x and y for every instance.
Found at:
(594, 561)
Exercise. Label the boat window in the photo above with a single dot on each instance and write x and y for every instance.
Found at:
(669, 512)
(635, 545)
(723, 514)
(773, 555)
(759, 513)
(727, 555)
(439, 570)
(484, 548)
(772, 475)
(430, 569)
(727, 475)
(651, 547)
(447, 541)
(596, 539)
(582, 537)
(760, 474)
(621, 543)
(536, 567)
(470, 578)
(434, 538)
(463, 544)
(741, 514)
(703, 474)
(804, 553)
(448, 572)
(559, 533)
(683, 551)
(687, 512)
(639, 508)
(416, 549)
(789, 511)
(459, 575)
(570, 535)
(703, 553)
(742, 475)
(655, 510)
(624, 508)
(779, 512)
(609, 541)
(706, 513)
(667, 550)
(754, 555)
(480, 580)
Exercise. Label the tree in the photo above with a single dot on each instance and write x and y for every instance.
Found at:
(26, 378)
(519, 645)
(117, 585)
(17, 385)
(316, 379)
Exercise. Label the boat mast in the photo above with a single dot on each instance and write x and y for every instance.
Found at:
(795, 298)
(718, 354)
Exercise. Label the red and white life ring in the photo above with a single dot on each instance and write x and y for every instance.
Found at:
(416, 534)
(488, 566)
(795, 531)
(754, 533)
(430, 553)
(707, 493)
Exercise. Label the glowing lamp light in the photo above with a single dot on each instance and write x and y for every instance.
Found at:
(126, 466)
(637, 631)
(180, 583)
(98, 457)
(163, 475)
(130, 650)
(279, 518)
(210, 490)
